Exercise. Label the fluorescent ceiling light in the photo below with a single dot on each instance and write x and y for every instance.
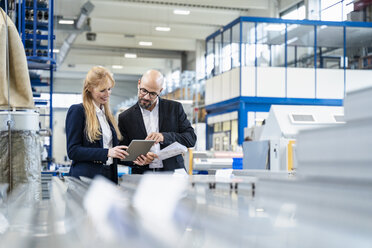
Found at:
(181, 12)
(130, 55)
(323, 26)
(62, 21)
(145, 43)
(117, 67)
(55, 50)
(292, 40)
(163, 29)
(275, 27)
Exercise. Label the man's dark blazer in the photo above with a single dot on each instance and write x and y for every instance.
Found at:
(173, 124)
(88, 158)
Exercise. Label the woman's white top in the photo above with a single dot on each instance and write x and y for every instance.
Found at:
(105, 129)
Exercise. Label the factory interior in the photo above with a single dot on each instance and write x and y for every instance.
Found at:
(277, 95)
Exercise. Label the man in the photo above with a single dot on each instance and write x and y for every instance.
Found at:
(153, 118)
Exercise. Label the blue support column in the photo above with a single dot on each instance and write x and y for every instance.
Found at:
(206, 133)
(34, 42)
(23, 22)
(315, 57)
(286, 58)
(240, 56)
(344, 29)
(50, 152)
(242, 121)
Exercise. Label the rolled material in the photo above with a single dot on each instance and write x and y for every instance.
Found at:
(25, 158)
(20, 86)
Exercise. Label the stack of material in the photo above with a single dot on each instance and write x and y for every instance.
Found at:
(25, 163)
(343, 150)
(329, 203)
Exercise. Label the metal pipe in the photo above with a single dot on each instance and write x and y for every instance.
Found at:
(9, 121)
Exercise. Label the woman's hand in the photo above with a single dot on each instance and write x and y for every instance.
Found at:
(143, 160)
(118, 152)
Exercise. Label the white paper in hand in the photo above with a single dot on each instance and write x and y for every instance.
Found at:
(172, 150)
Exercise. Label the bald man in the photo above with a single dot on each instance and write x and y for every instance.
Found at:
(153, 118)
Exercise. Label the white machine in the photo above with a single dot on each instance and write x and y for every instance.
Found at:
(283, 124)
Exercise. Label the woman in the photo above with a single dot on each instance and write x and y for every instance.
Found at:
(91, 130)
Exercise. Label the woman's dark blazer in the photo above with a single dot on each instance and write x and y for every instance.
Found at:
(88, 158)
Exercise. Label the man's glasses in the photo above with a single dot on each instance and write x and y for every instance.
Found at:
(144, 92)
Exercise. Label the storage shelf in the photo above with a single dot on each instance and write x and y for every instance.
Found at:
(38, 24)
(41, 102)
(37, 37)
(38, 8)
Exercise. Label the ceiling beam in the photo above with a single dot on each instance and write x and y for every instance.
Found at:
(118, 40)
(237, 5)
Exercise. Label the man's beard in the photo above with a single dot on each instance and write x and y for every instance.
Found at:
(145, 104)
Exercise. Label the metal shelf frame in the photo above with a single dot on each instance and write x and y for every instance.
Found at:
(36, 62)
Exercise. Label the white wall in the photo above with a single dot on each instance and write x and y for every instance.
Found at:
(330, 83)
(222, 87)
(271, 81)
(358, 79)
(208, 91)
(248, 81)
(301, 82)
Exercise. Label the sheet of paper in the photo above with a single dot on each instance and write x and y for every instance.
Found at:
(172, 150)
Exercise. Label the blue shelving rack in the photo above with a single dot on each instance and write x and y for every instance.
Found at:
(35, 26)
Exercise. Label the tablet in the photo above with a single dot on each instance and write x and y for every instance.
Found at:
(137, 148)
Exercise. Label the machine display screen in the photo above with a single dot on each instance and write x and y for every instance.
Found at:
(302, 118)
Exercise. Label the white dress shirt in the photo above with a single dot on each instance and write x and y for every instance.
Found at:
(151, 121)
(105, 129)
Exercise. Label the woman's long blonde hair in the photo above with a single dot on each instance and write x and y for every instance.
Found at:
(97, 77)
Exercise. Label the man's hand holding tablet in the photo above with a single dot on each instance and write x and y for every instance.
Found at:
(137, 148)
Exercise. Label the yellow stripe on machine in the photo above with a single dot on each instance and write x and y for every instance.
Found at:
(190, 161)
(290, 154)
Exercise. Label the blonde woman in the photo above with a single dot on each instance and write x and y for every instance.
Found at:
(91, 130)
